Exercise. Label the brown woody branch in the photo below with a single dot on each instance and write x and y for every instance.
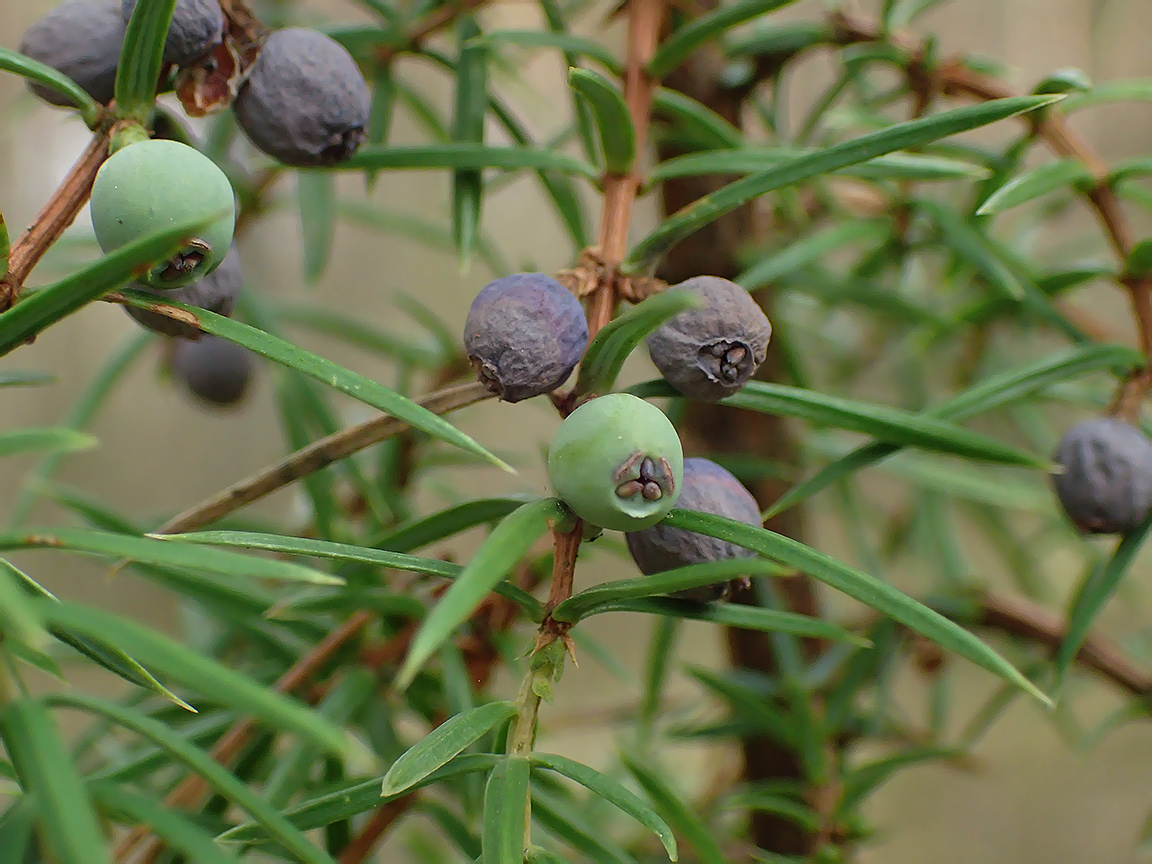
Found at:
(644, 21)
(316, 456)
(1025, 619)
(55, 216)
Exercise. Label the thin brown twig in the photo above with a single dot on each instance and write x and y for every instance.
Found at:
(1028, 620)
(316, 456)
(644, 20)
(194, 788)
(55, 216)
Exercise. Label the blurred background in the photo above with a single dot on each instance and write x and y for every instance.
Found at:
(1029, 797)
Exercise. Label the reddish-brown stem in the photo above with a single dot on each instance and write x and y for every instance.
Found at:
(566, 545)
(54, 217)
(1025, 619)
(193, 789)
(644, 19)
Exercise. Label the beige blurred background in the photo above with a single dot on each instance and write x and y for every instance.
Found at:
(1033, 799)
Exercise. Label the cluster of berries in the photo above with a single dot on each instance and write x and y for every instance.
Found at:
(302, 101)
(616, 460)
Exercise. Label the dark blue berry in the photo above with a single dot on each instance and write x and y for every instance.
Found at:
(711, 351)
(524, 335)
(213, 369)
(216, 292)
(706, 488)
(305, 102)
(197, 27)
(82, 39)
(1105, 486)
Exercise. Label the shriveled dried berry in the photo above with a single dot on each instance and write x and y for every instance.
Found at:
(213, 369)
(524, 335)
(616, 461)
(154, 184)
(1106, 483)
(197, 27)
(707, 488)
(305, 102)
(82, 39)
(216, 292)
(711, 351)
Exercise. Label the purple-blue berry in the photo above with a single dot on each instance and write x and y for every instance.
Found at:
(1105, 486)
(706, 488)
(216, 292)
(197, 27)
(82, 39)
(711, 351)
(213, 369)
(305, 102)
(524, 335)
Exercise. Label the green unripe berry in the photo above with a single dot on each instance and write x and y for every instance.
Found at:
(152, 185)
(617, 463)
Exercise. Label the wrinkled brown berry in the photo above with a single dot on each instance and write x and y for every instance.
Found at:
(524, 335)
(305, 102)
(1106, 483)
(706, 488)
(197, 27)
(82, 39)
(711, 351)
(213, 369)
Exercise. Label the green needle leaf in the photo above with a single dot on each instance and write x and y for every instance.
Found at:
(176, 828)
(613, 120)
(987, 395)
(47, 305)
(686, 821)
(495, 558)
(1091, 596)
(858, 585)
(464, 155)
(13, 61)
(349, 552)
(505, 811)
(68, 824)
(197, 672)
(443, 744)
(609, 790)
(609, 348)
(316, 196)
(141, 58)
(150, 550)
(880, 421)
(1066, 174)
(202, 764)
(325, 371)
(353, 799)
(52, 440)
(706, 28)
(901, 136)
(471, 111)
